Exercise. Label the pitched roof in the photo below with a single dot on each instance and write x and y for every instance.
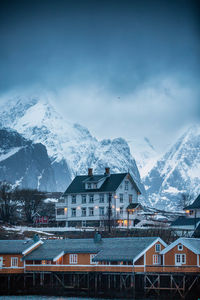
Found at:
(15, 246)
(191, 243)
(108, 249)
(184, 221)
(110, 184)
(133, 205)
(195, 204)
(123, 249)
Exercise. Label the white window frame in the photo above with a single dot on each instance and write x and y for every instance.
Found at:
(73, 214)
(91, 198)
(14, 262)
(156, 245)
(83, 199)
(1, 262)
(180, 247)
(83, 209)
(73, 199)
(91, 209)
(126, 185)
(101, 211)
(73, 259)
(91, 257)
(181, 262)
(156, 259)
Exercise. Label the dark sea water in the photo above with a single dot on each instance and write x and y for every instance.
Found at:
(52, 298)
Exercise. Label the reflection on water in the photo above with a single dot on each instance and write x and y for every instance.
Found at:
(49, 298)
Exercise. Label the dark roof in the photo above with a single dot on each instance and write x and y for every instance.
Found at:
(94, 178)
(133, 205)
(14, 246)
(123, 249)
(195, 204)
(52, 248)
(112, 249)
(196, 233)
(110, 184)
(184, 221)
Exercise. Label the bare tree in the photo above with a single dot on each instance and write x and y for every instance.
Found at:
(8, 205)
(31, 200)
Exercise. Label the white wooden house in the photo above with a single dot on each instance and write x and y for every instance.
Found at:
(86, 200)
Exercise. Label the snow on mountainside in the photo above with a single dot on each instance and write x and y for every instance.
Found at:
(23, 163)
(71, 147)
(176, 173)
(145, 155)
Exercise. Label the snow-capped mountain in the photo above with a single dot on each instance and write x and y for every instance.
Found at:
(145, 154)
(177, 173)
(71, 147)
(23, 163)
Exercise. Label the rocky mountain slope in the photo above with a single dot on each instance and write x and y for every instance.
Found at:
(24, 163)
(177, 173)
(71, 147)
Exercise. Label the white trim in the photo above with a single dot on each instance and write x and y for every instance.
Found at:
(182, 241)
(13, 258)
(198, 260)
(181, 259)
(73, 259)
(146, 249)
(31, 247)
(76, 265)
(58, 256)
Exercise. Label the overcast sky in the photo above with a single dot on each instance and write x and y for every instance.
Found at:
(121, 68)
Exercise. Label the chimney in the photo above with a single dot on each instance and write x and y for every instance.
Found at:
(90, 172)
(107, 171)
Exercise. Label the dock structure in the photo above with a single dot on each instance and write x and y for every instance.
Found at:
(113, 267)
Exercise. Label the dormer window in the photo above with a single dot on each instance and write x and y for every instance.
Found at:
(89, 186)
(95, 186)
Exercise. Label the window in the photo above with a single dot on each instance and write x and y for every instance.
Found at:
(121, 211)
(1, 262)
(84, 223)
(91, 200)
(101, 198)
(180, 247)
(60, 212)
(43, 262)
(121, 198)
(91, 257)
(156, 259)
(126, 185)
(157, 248)
(180, 259)
(95, 186)
(101, 211)
(73, 258)
(91, 211)
(73, 210)
(83, 212)
(191, 212)
(73, 199)
(89, 186)
(130, 197)
(14, 262)
(83, 199)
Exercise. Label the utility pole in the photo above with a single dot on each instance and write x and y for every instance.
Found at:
(109, 212)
